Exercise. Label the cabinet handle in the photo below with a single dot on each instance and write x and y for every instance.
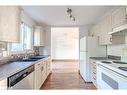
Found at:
(42, 68)
(94, 68)
(94, 73)
(94, 78)
(110, 39)
(126, 16)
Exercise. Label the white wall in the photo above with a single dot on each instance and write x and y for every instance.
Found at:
(117, 49)
(65, 43)
(27, 19)
(83, 31)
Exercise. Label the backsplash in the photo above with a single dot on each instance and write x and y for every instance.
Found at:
(116, 50)
(14, 57)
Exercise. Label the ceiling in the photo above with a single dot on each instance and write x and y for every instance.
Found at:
(57, 15)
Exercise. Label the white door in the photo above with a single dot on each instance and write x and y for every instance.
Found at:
(83, 44)
(83, 60)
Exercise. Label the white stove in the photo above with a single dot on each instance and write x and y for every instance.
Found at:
(111, 76)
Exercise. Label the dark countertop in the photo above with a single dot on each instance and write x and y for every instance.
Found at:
(99, 58)
(109, 57)
(14, 67)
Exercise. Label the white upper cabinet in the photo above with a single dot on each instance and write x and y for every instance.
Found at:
(39, 36)
(9, 23)
(95, 30)
(105, 28)
(119, 16)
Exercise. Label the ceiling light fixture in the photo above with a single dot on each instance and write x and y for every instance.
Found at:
(69, 12)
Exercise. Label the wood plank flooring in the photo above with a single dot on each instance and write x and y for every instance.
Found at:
(65, 76)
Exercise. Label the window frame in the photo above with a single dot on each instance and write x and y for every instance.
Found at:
(22, 39)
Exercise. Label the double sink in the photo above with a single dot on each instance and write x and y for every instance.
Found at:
(33, 58)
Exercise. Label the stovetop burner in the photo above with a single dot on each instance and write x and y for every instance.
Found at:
(107, 62)
(119, 62)
(123, 68)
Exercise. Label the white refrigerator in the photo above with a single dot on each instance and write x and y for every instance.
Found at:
(89, 47)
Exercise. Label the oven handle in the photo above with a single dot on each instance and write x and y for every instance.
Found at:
(112, 73)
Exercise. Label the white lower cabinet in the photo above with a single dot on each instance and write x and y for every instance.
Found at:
(42, 70)
(38, 75)
(3, 84)
(43, 73)
(48, 66)
(93, 72)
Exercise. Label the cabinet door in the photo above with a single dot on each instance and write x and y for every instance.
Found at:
(3, 84)
(38, 76)
(39, 36)
(105, 38)
(43, 72)
(118, 16)
(9, 23)
(48, 64)
(95, 30)
(42, 38)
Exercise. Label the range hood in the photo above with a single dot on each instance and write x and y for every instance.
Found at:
(118, 29)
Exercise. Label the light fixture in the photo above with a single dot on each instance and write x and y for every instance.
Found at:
(69, 12)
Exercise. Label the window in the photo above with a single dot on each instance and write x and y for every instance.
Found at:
(25, 39)
(26, 36)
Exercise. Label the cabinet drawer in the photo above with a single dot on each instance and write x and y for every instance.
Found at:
(38, 64)
(94, 78)
(94, 69)
(94, 73)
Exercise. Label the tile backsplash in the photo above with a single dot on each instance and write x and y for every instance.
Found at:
(116, 50)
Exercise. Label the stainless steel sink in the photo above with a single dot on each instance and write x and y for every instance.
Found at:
(27, 60)
(37, 57)
(33, 58)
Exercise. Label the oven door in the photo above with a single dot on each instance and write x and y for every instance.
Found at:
(108, 79)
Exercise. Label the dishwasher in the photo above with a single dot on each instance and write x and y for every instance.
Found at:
(22, 80)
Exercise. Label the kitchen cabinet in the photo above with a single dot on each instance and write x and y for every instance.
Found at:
(3, 84)
(39, 36)
(43, 73)
(38, 75)
(9, 23)
(105, 28)
(95, 30)
(48, 64)
(119, 16)
(42, 70)
(94, 71)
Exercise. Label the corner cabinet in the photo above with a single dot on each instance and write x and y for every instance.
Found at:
(39, 36)
(10, 23)
(119, 16)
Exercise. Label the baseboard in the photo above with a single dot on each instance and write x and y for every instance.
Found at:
(65, 60)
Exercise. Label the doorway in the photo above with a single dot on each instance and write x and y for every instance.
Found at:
(65, 49)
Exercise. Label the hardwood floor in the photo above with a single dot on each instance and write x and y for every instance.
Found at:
(65, 76)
